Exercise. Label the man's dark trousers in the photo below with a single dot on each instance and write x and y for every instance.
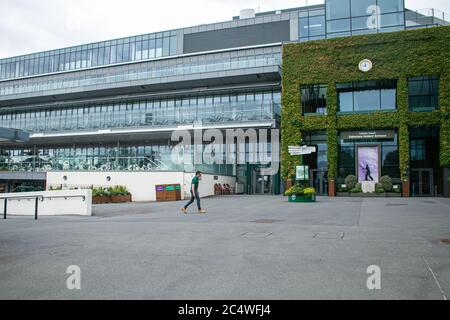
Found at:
(194, 197)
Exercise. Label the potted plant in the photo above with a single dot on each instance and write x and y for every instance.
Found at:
(357, 190)
(388, 186)
(298, 193)
(380, 190)
(99, 196)
(119, 194)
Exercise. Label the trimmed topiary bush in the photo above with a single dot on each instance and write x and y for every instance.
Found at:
(379, 188)
(351, 182)
(386, 183)
(357, 188)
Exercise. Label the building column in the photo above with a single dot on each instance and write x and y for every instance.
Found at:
(403, 136)
(333, 146)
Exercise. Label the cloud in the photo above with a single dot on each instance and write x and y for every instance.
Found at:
(30, 26)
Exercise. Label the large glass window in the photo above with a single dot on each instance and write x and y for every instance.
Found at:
(314, 99)
(338, 25)
(417, 148)
(367, 96)
(258, 106)
(80, 57)
(388, 6)
(353, 17)
(423, 93)
(337, 9)
(312, 25)
(214, 63)
(360, 7)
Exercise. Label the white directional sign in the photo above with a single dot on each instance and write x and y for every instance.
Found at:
(301, 150)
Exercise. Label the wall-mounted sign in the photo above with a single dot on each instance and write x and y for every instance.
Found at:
(302, 173)
(365, 65)
(368, 135)
(301, 150)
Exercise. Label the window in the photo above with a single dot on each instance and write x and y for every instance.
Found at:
(367, 96)
(360, 7)
(173, 45)
(387, 6)
(312, 25)
(338, 25)
(314, 99)
(423, 93)
(354, 17)
(417, 150)
(337, 9)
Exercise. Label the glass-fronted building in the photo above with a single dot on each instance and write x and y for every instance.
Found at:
(112, 105)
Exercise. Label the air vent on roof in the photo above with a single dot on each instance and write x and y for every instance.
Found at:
(247, 13)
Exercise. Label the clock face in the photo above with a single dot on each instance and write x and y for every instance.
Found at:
(365, 65)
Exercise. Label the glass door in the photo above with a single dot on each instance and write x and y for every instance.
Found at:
(319, 181)
(422, 183)
(262, 184)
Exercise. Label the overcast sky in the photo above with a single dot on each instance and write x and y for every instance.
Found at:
(28, 26)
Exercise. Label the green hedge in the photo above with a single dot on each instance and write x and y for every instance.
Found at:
(397, 55)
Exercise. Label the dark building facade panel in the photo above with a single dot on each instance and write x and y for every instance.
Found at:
(237, 37)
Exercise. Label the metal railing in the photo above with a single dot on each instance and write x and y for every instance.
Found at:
(151, 71)
(37, 199)
(426, 18)
(81, 163)
(216, 113)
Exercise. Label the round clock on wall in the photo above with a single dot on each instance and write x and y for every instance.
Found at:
(365, 65)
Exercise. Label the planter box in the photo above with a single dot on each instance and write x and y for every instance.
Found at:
(302, 199)
(111, 199)
(100, 199)
(405, 189)
(121, 199)
(332, 188)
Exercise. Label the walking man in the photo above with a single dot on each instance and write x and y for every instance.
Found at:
(368, 173)
(195, 195)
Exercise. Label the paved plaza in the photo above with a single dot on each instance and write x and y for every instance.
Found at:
(246, 247)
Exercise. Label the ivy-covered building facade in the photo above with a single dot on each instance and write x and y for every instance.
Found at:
(379, 102)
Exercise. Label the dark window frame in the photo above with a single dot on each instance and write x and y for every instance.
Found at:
(316, 88)
(430, 79)
(357, 86)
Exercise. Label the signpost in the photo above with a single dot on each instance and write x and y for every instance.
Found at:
(302, 172)
(301, 150)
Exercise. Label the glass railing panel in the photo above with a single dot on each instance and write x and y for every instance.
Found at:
(105, 119)
(139, 74)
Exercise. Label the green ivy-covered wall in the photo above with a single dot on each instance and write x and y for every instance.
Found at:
(397, 55)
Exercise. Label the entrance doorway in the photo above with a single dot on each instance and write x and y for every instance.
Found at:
(422, 184)
(319, 181)
(262, 184)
